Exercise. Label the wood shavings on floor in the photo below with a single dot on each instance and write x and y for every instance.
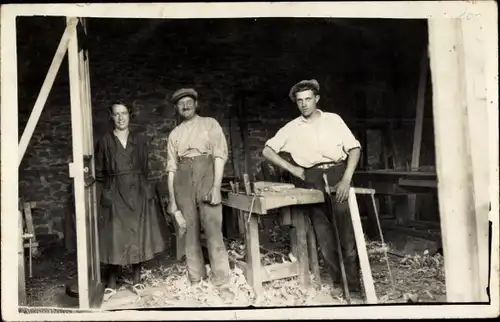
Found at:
(169, 286)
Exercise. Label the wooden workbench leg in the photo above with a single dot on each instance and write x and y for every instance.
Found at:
(300, 235)
(241, 223)
(252, 244)
(312, 249)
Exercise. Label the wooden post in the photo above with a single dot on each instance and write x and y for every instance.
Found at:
(243, 125)
(453, 161)
(371, 296)
(300, 235)
(253, 267)
(76, 170)
(312, 250)
(490, 31)
(21, 267)
(478, 142)
(45, 90)
(419, 120)
(9, 165)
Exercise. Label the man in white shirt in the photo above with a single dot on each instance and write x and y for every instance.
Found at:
(320, 142)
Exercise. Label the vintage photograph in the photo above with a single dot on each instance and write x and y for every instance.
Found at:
(180, 159)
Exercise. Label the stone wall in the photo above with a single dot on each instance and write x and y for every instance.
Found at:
(144, 62)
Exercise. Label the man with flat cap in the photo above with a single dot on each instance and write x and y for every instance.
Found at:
(320, 142)
(197, 154)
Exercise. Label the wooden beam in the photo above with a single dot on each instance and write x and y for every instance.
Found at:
(417, 183)
(312, 250)
(9, 195)
(266, 201)
(253, 273)
(490, 31)
(76, 169)
(300, 236)
(273, 272)
(46, 87)
(371, 296)
(453, 160)
(88, 116)
(419, 120)
(243, 126)
(419, 117)
(21, 280)
(476, 119)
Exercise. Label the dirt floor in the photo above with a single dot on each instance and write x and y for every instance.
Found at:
(418, 277)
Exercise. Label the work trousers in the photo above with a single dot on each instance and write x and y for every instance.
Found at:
(320, 217)
(193, 181)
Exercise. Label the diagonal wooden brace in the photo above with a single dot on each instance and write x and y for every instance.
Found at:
(46, 87)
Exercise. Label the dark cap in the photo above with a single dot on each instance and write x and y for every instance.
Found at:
(311, 83)
(183, 92)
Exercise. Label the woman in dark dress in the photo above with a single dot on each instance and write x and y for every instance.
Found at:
(129, 227)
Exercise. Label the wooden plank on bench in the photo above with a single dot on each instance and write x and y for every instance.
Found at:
(273, 272)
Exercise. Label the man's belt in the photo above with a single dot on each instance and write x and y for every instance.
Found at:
(327, 165)
(115, 174)
(193, 156)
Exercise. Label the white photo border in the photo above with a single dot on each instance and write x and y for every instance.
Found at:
(486, 11)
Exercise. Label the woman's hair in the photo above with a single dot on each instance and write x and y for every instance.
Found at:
(128, 106)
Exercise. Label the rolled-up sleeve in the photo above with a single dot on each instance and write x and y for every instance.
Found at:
(348, 139)
(217, 141)
(171, 154)
(278, 142)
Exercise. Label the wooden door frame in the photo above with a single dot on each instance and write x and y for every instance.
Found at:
(457, 18)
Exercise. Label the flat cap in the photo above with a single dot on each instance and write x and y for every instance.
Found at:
(308, 82)
(183, 92)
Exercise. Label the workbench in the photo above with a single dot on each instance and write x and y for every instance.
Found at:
(287, 203)
(398, 183)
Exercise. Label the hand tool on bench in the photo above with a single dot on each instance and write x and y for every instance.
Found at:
(330, 204)
(246, 182)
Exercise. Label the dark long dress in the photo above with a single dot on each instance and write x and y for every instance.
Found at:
(129, 223)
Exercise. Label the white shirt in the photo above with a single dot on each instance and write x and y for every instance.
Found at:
(200, 135)
(325, 139)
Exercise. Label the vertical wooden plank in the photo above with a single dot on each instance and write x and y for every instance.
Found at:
(21, 267)
(419, 116)
(9, 165)
(371, 296)
(243, 125)
(477, 117)
(490, 33)
(453, 161)
(253, 271)
(300, 235)
(76, 172)
(286, 216)
(419, 120)
(312, 250)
